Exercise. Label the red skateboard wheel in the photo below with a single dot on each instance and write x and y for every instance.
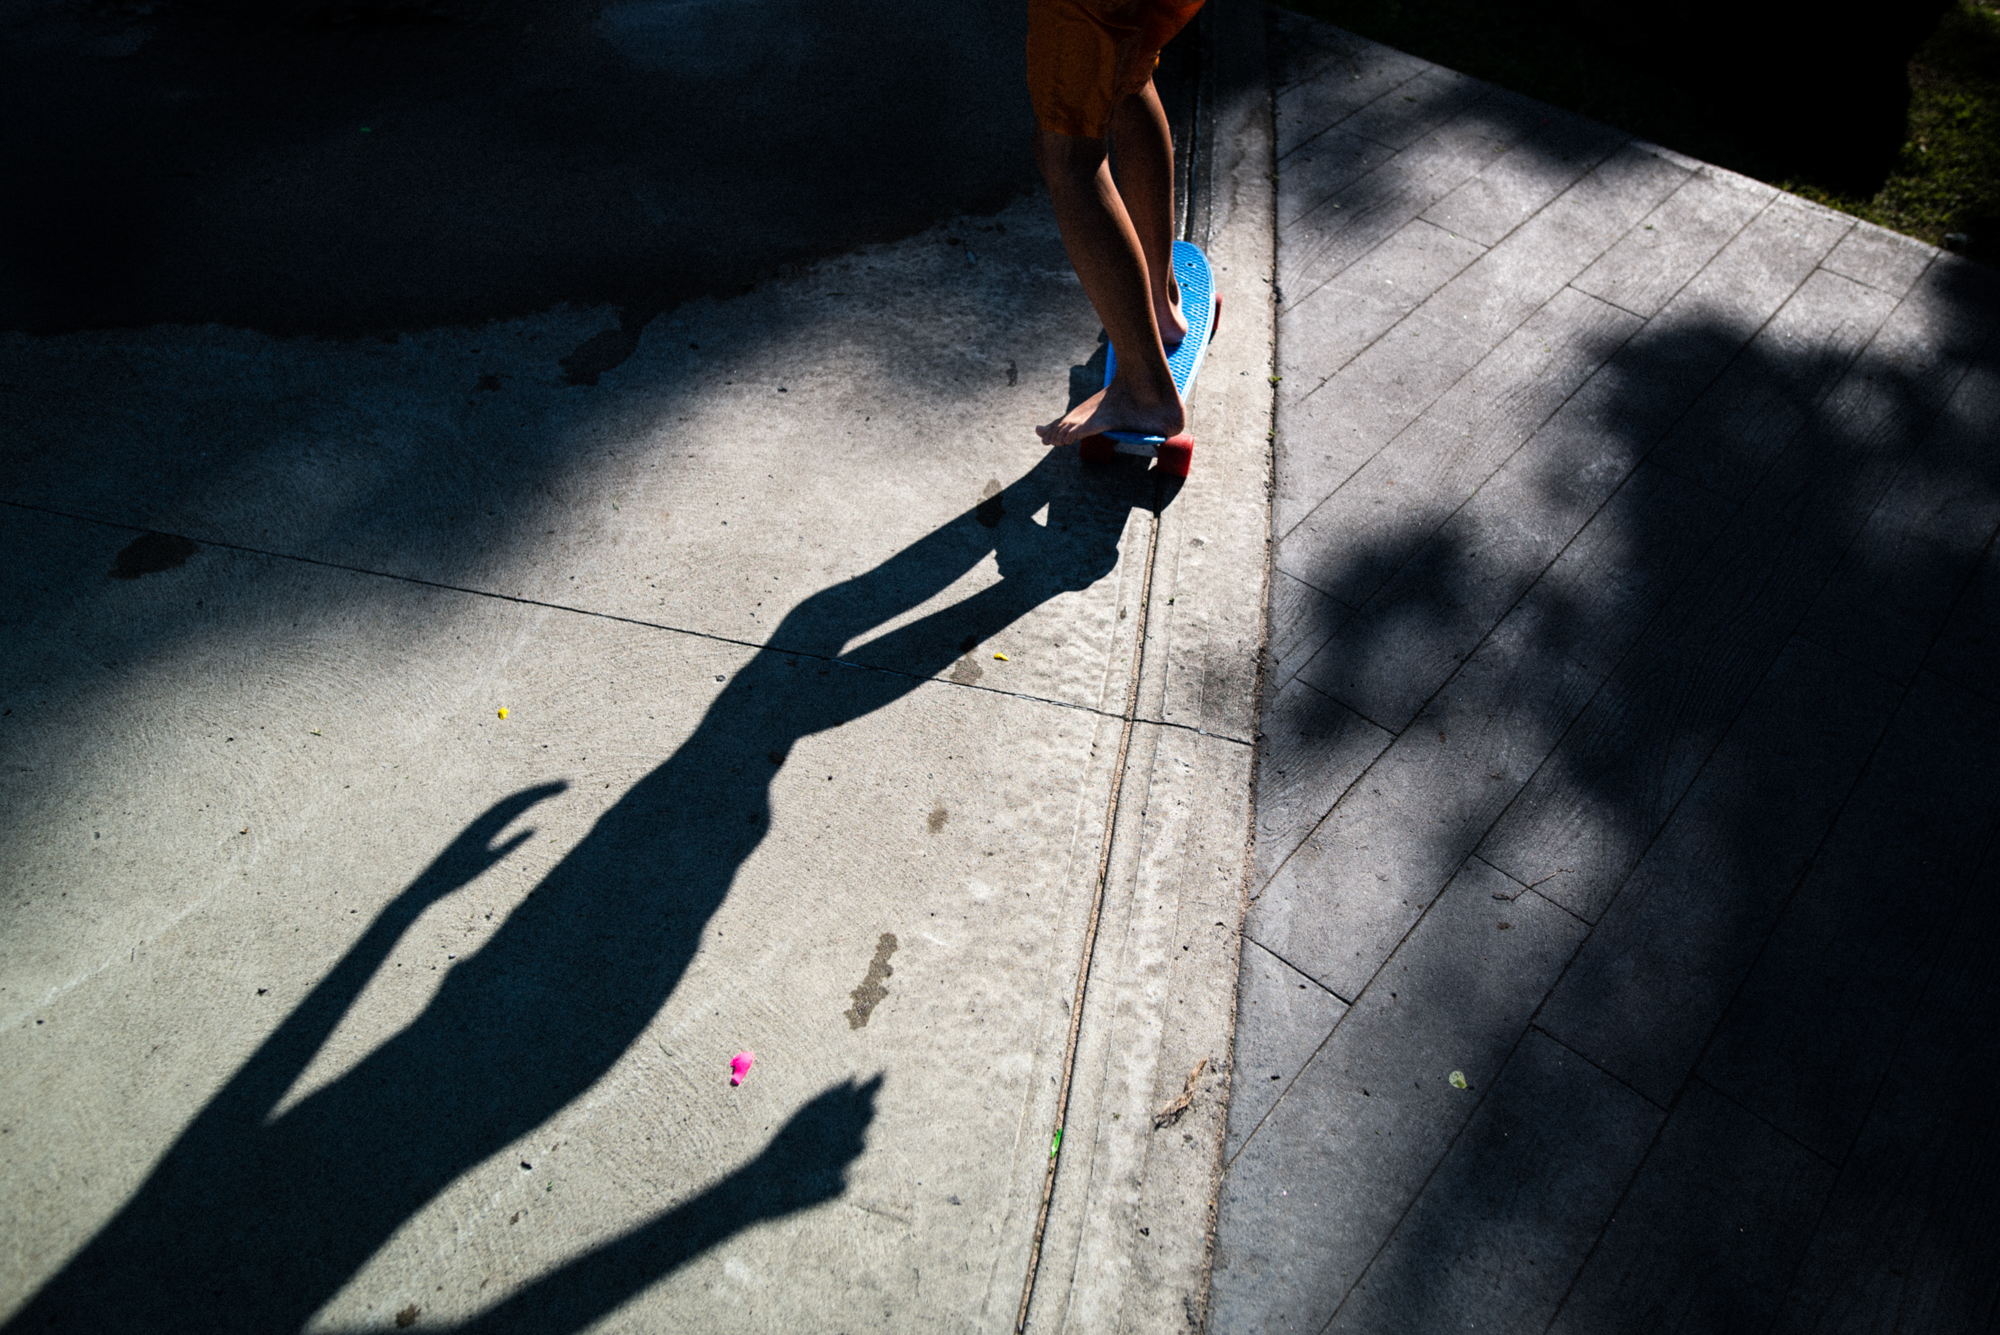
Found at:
(1176, 455)
(1095, 449)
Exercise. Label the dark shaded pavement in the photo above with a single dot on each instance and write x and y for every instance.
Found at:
(338, 166)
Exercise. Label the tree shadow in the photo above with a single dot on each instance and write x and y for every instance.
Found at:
(350, 166)
(345, 166)
(254, 1221)
(1702, 671)
(1771, 89)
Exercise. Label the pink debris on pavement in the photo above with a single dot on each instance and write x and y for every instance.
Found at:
(739, 1066)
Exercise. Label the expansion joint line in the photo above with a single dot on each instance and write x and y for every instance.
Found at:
(1102, 879)
(1195, 161)
(569, 609)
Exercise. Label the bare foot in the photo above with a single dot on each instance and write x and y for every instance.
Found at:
(1115, 408)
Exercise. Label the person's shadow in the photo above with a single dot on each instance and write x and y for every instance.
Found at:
(254, 1222)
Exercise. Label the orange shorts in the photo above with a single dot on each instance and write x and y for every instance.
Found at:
(1087, 56)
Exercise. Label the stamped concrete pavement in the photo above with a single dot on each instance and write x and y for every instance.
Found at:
(1621, 955)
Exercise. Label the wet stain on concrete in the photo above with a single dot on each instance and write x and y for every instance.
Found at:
(150, 553)
(967, 672)
(869, 995)
(937, 818)
(990, 509)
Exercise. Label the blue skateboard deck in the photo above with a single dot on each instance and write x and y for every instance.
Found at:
(1203, 308)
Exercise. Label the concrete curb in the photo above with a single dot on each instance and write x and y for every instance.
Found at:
(1130, 1235)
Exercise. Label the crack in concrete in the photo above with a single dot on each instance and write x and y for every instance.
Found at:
(1127, 717)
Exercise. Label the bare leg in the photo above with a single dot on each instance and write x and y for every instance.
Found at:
(1111, 261)
(1144, 146)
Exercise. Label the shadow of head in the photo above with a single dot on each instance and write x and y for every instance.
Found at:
(804, 1165)
(807, 1162)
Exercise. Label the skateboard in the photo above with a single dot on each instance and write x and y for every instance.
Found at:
(1203, 307)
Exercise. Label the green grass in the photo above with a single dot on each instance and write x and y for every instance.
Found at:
(1893, 117)
(1945, 184)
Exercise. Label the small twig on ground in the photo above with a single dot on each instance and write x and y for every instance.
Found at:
(1508, 899)
(1173, 1111)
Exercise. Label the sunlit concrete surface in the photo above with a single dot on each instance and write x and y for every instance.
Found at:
(1621, 955)
(430, 758)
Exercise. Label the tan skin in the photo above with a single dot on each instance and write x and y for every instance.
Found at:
(1120, 235)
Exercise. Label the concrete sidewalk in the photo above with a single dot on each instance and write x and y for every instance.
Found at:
(1620, 953)
(1622, 949)
(429, 760)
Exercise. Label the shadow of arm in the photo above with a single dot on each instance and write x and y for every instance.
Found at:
(256, 1089)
